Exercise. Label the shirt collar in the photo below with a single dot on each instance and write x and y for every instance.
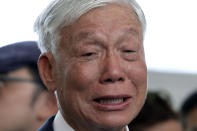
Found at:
(127, 128)
(60, 124)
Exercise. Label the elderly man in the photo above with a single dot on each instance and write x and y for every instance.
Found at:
(24, 101)
(93, 59)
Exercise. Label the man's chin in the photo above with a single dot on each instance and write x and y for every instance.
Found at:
(116, 122)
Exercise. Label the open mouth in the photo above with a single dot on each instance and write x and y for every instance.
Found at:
(111, 103)
(110, 100)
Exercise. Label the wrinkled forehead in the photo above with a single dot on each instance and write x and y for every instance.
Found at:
(112, 14)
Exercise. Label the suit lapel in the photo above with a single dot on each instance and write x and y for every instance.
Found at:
(48, 125)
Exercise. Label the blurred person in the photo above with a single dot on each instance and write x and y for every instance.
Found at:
(189, 112)
(156, 115)
(93, 59)
(24, 100)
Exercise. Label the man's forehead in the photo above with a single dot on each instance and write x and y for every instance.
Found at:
(86, 35)
(87, 25)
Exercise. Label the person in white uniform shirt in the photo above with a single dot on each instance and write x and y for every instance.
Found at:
(93, 60)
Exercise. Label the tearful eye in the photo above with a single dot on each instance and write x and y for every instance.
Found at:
(88, 54)
(128, 51)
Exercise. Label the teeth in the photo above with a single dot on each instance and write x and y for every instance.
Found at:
(111, 101)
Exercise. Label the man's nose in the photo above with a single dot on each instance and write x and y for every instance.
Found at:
(112, 71)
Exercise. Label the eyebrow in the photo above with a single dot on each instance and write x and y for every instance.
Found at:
(84, 35)
(131, 31)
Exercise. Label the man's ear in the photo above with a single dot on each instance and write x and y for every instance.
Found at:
(46, 66)
(45, 106)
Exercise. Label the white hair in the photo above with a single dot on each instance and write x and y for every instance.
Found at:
(61, 13)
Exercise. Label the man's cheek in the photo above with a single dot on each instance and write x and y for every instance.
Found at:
(86, 73)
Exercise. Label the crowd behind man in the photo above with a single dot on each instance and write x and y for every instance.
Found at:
(189, 112)
(157, 114)
(24, 100)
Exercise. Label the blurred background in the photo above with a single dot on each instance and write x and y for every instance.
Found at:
(170, 42)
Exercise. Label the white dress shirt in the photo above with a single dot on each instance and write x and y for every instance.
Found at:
(59, 124)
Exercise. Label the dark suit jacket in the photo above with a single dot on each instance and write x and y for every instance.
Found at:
(48, 125)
